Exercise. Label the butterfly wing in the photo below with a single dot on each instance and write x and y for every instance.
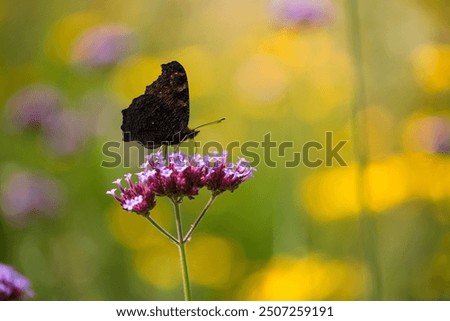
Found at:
(172, 87)
(161, 115)
(149, 121)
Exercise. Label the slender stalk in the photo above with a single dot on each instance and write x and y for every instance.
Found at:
(161, 229)
(165, 152)
(199, 218)
(361, 153)
(182, 249)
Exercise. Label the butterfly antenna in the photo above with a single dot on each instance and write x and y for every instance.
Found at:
(210, 123)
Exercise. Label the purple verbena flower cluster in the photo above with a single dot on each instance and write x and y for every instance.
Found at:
(137, 197)
(179, 176)
(13, 286)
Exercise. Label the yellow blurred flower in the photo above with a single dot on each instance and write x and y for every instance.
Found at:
(387, 183)
(214, 261)
(321, 68)
(261, 80)
(135, 232)
(199, 65)
(133, 74)
(332, 193)
(429, 176)
(159, 265)
(431, 64)
(155, 258)
(308, 278)
(287, 46)
(233, 129)
(66, 31)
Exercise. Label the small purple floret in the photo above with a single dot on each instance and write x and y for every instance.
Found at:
(137, 197)
(13, 286)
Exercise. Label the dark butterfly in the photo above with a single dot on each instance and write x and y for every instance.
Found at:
(160, 116)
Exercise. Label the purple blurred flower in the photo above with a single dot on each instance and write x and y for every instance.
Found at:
(13, 286)
(431, 134)
(67, 132)
(103, 45)
(34, 106)
(295, 13)
(179, 176)
(26, 194)
(440, 134)
(41, 106)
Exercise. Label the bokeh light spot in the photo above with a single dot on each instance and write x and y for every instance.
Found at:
(214, 261)
(66, 30)
(133, 74)
(134, 231)
(159, 266)
(331, 194)
(431, 64)
(286, 46)
(386, 184)
(198, 63)
(309, 278)
(261, 79)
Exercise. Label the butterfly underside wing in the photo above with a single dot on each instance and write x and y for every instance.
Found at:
(160, 116)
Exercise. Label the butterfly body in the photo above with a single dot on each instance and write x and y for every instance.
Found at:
(160, 116)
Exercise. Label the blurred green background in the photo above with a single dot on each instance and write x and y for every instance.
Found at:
(67, 68)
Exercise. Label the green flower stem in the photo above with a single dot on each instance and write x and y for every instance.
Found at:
(165, 152)
(199, 218)
(361, 153)
(182, 249)
(161, 229)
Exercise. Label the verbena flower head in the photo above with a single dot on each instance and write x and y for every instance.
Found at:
(222, 176)
(13, 286)
(136, 197)
(181, 176)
